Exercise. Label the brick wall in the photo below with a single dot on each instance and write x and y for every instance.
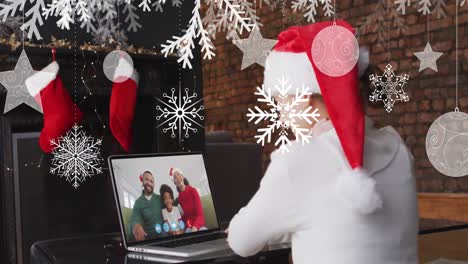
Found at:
(229, 92)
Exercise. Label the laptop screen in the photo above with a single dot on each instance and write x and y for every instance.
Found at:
(163, 196)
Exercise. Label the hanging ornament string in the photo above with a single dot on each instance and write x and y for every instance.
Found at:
(22, 26)
(118, 23)
(386, 38)
(427, 28)
(181, 140)
(90, 94)
(74, 73)
(255, 14)
(334, 12)
(456, 56)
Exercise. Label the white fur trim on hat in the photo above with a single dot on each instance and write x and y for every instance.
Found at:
(42, 78)
(174, 171)
(124, 68)
(295, 67)
(358, 191)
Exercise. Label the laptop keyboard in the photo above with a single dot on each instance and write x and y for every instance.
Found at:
(190, 240)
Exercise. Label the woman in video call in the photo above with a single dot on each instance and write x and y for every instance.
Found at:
(190, 201)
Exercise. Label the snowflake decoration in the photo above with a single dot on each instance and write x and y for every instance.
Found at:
(282, 114)
(180, 113)
(231, 15)
(310, 8)
(388, 88)
(382, 20)
(76, 156)
(425, 7)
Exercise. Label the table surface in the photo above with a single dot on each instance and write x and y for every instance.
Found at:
(91, 250)
(450, 243)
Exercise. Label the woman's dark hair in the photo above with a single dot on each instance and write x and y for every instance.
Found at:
(165, 189)
(186, 183)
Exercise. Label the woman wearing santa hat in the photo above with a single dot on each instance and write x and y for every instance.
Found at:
(351, 189)
(190, 201)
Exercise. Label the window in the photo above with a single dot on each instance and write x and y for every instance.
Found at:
(132, 201)
(126, 200)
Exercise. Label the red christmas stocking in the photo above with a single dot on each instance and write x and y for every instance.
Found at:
(60, 112)
(122, 103)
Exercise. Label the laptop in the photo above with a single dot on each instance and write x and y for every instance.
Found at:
(165, 205)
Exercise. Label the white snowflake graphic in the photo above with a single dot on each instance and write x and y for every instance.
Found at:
(283, 114)
(388, 88)
(76, 156)
(180, 113)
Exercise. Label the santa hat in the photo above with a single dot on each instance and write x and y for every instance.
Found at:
(292, 59)
(123, 102)
(174, 171)
(60, 112)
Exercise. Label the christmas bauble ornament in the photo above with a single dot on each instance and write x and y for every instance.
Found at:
(447, 144)
(117, 74)
(335, 51)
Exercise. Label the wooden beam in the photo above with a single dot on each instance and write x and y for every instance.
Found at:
(448, 206)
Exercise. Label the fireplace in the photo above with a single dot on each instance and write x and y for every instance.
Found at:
(36, 205)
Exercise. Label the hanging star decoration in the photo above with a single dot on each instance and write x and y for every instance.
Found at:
(14, 83)
(388, 88)
(428, 58)
(255, 48)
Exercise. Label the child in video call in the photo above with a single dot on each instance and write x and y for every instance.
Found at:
(171, 214)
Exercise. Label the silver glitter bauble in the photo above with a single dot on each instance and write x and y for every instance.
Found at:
(111, 61)
(447, 144)
(335, 51)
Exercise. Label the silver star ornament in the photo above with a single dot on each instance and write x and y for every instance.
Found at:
(428, 58)
(255, 48)
(14, 83)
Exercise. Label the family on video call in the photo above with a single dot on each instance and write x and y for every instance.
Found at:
(157, 215)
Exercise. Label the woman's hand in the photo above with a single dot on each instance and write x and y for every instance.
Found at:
(194, 229)
(175, 233)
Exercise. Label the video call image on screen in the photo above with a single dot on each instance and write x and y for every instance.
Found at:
(163, 196)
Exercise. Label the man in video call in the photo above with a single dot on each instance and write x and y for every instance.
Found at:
(146, 210)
